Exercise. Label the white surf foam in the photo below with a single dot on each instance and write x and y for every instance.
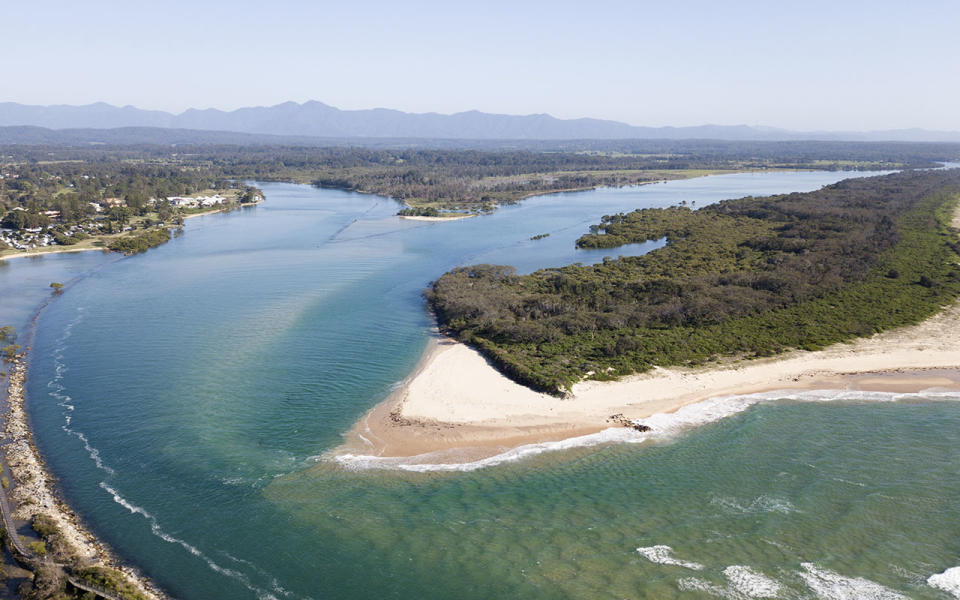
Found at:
(58, 393)
(750, 583)
(663, 426)
(422, 463)
(695, 584)
(157, 531)
(948, 581)
(663, 555)
(833, 586)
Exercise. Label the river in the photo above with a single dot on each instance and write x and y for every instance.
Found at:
(185, 398)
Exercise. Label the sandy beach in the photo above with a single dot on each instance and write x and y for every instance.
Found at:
(456, 400)
(435, 219)
(46, 252)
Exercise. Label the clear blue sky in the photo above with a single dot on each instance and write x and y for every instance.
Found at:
(840, 64)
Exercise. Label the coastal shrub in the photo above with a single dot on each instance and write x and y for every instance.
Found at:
(65, 240)
(111, 580)
(134, 244)
(428, 211)
(44, 526)
(39, 548)
(744, 278)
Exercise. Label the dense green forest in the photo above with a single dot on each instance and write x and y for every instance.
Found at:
(743, 278)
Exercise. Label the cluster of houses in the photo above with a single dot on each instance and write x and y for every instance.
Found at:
(28, 239)
(39, 237)
(177, 201)
(196, 201)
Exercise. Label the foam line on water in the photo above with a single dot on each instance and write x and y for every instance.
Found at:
(662, 425)
(63, 400)
(948, 581)
(274, 584)
(160, 533)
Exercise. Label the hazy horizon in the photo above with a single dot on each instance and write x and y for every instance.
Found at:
(812, 67)
(179, 112)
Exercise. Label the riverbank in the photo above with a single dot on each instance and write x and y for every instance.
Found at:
(457, 403)
(34, 494)
(58, 250)
(87, 245)
(222, 209)
(434, 219)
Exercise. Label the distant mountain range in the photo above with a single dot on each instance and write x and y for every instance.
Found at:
(317, 120)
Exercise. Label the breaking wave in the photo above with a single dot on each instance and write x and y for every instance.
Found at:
(663, 555)
(662, 426)
(948, 581)
(833, 586)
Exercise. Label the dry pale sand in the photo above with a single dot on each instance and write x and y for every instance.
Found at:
(46, 252)
(435, 219)
(456, 399)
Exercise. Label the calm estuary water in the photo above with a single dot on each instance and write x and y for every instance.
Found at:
(185, 397)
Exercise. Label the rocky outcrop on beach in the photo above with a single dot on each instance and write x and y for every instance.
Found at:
(621, 420)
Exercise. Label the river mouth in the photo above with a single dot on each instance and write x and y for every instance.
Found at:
(208, 373)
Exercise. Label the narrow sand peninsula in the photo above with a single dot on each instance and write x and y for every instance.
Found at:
(435, 219)
(456, 399)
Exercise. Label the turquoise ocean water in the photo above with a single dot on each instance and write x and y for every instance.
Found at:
(185, 399)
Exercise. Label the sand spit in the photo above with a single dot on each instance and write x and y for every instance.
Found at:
(457, 407)
(435, 219)
(457, 401)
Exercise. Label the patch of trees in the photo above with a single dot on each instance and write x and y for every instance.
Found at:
(24, 219)
(746, 277)
(420, 211)
(141, 242)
